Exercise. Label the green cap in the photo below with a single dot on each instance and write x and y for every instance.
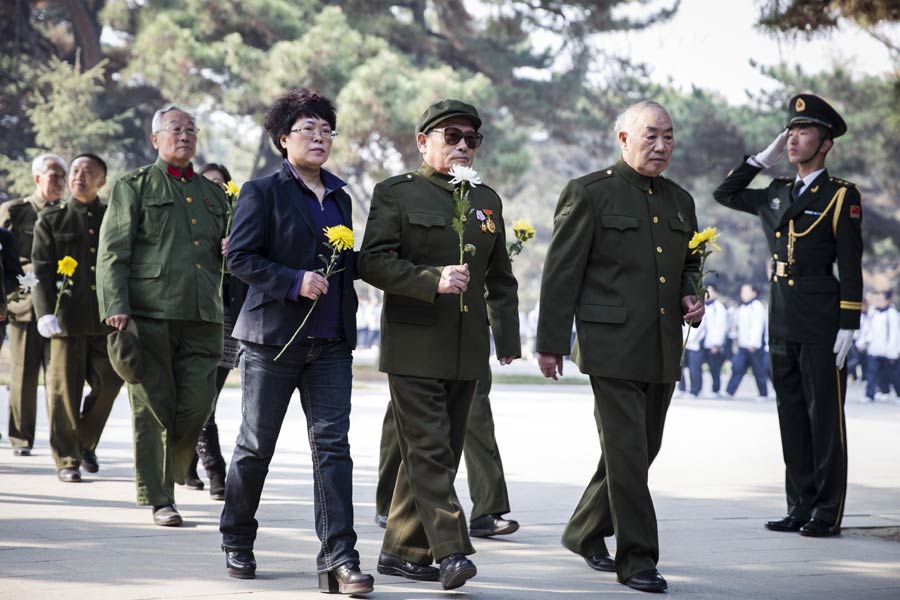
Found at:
(809, 109)
(447, 109)
(124, 348)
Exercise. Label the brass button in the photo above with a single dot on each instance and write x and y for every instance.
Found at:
(199, 266)
(93, 287)
(659, 249)
(656, 219)
(650, 191)
(775, 278)
(193, 221)
(775, 256)
(778, 234)
(93, 251)
(196, 242)
(91, 231)
(662, 311)
(183, 180)
(609, 171)
(93, 268)
(790, 282)
(189, 200)
(662, 279)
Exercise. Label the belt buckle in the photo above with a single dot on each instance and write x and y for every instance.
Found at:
(781, 268)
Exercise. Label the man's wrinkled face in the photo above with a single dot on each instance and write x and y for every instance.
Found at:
(85, 179)
(51, 181)
(440, 155)
(176, 139)
(647, 147)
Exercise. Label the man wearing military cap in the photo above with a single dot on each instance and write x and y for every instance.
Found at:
(77, 336)
(159, 264)
(433, 352)
(811, 221)
(28, 350)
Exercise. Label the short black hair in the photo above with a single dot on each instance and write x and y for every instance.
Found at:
(216, 167)
(289, 107)
(94, 158)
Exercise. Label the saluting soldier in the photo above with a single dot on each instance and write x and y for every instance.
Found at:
(78, 343)
(28, 350)
(619, 263)
(433, 352)
(811, 221)
(159, 266)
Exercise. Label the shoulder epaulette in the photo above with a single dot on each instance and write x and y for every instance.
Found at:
(842, 182)
(783, 179)
(398, 179)
(139, 172)
(595, 176)
(676, 185)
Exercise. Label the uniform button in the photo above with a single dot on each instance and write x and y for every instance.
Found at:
(659, 249)
(662, 279)
(656, 219)
(189, 200)
(93, 268)
(93, 287)
(775, 256)
(199, 266)
(775, 278)
(662, 311)
(193, 221)
(91, 231)
(778, 234)
(650, 191)
(93, 251)
(90, 214)
(196, 242)
(609, 171)
(790, 282)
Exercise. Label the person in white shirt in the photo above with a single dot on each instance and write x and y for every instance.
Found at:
(882, 342)
(716, 339)
(750, 329)
(693, 358)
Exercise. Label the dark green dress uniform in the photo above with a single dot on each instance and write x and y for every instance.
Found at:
(619, 264)
(484, 466)
(807, 306)
(78, 354)
(433, 353)
(159, 262)
(28, 350)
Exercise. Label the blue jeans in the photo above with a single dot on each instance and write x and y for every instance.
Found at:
(882, 372)
(758, 361)
(322, 371)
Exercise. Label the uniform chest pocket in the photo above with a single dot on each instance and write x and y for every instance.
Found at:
(619, 222)
(681, 226)
(427, 220)
(66, 240)
(155, 216)
(214, 206)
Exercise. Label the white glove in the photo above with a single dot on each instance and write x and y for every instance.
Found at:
(842, 344)
(48, 326)
(774, 152)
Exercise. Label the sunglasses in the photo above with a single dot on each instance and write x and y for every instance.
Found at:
(452, 135)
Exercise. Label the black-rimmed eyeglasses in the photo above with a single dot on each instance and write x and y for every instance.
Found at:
(452, 135)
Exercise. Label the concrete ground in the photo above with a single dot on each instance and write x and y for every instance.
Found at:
(717, 479)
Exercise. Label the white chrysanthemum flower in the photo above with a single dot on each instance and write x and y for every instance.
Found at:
(462, 173)
(27, 281)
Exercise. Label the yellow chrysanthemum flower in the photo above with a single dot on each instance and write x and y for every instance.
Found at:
(701, 238)
(66, 266)
(523, 230)
(232, 189)
(340, 237)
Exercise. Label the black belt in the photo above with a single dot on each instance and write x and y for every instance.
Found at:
(808, 270)
(324, 339)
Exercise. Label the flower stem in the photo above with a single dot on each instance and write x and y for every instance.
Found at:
(293, 337)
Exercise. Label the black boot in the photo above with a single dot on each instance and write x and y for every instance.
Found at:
(193, 480)
(217, 484)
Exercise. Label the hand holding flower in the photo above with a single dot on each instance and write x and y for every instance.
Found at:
(454, 279)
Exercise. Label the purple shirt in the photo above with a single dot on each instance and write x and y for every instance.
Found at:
(326, 321)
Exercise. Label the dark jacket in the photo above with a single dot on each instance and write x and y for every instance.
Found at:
(271, 239)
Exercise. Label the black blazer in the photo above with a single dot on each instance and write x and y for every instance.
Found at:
(271, 238)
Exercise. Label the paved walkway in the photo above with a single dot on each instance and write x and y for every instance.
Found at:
(718, 478)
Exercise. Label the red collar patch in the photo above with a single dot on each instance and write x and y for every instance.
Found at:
(184, 174)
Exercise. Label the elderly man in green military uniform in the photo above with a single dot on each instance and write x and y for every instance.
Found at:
(28, 350)
(159, 266)
(78, 342)
(434, 350)
(619, 263)
(811, 221)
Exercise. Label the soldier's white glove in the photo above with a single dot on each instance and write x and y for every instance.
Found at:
(48, 326)
(774, 152)
(842, 344)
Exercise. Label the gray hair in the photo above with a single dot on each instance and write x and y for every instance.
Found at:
(38, 167)
(627, 118)
(156, 123)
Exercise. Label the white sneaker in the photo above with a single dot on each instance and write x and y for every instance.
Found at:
(866, 400)
(762, 398)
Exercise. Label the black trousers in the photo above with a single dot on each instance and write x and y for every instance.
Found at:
(810, 392)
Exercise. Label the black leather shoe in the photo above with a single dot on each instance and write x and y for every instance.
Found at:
(241, 564)
(346, 579)
(817, 528)
(22, 451)
(647, 581)
(490, 525)
(166, 515)
(381, 520)
(193, 481)
(388, 564)
(456, 569)
(69, 475)
(217, 485)
(89, 461)
(601, 562)
(789, 523)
